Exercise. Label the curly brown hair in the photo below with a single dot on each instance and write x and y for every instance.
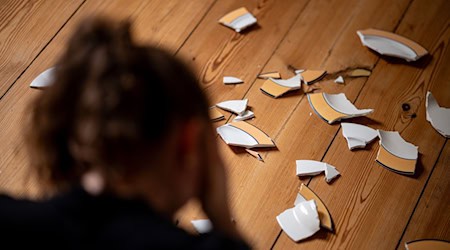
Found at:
(109, 98)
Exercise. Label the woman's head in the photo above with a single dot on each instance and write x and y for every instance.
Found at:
(113, 103)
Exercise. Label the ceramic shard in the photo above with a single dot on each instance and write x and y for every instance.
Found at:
(438, 117)
(312, 168)
(306, 194)
(334, 107)
(312, 76)
(267, 75)
(339, 79)
(390, 44)
(245, 116)
(236, 106)
(360, 73)
(279, 87)
(202, 226)
(215, 115)
(330, 173)
(254, 154)
(301, 221)
(244, 134)
(231, 80)
(358, 136)
(238, 19)
(396, 154)
(44, 80)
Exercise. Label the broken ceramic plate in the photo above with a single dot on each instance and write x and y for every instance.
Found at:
(267, 75)
(428, 244)
(312, 168)
(231, 80)
(254, 154)
(301, 221)
(236, 106)
(278, 87)
(202, 226)
(238, 19)
(312, 76)
(438, 117)
(334, 107)
(358, 136)
(360, 73)
(340, 79)
(390, 44)
(44, 80)
(396, 154)
(306, 194)
(215, 115)
(244, 134)
(245, 116)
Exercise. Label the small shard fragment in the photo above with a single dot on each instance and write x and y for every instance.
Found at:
(334, 107)
(202, 226)
(243, 134)
(301, 221)
(312, 168)
(279, 87)
(358, 136)
(231, 80)
(428, 244)
(306, 194)
(267, 75)
(236, 106)
(215, 114)
(44, 80)
(245, 116)
(390, 44)
(438, 117)
(298, 71)
(254, 154)
(360, 73)
(396, 154)
(238, 19)
(340, 79)
(312, 76)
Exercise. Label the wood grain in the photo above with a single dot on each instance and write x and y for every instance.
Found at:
(25, 30)
(15, 175)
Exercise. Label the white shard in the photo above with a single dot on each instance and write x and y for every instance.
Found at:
(396, 145)
(298, 71)
(330, 173)
(231, 80)
(293, 82)
(340, 79)
(245, 116)
(238, 19)
(202, 226)
(312, 168)
(243, 134)
(236, 106)
(340, 103)
(45, 79)
(301, 221)
(358, 136)
(438, 117)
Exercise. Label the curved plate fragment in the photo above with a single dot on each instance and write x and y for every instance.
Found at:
(231, 80)
(312, 76)
(438, 117)
(334, 107)
(215, 115)
(267, 75)
(427, 244)
(387, 43)
(238, 19)
(312, 168)
(358, 136)
(236, 106)
(244, 134)
(43, 80)
(301, 221)
(306, 194)
(202, 226)
(279, 87)
(396, 154)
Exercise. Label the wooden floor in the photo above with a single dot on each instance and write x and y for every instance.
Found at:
(372, 207)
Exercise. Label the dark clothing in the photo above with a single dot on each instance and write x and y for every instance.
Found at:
(77, 220)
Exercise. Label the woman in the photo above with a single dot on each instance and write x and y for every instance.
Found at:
(124, 138)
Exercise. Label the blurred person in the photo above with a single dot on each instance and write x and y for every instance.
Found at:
(123, 139)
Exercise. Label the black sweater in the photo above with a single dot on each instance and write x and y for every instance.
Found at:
(77, 220)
